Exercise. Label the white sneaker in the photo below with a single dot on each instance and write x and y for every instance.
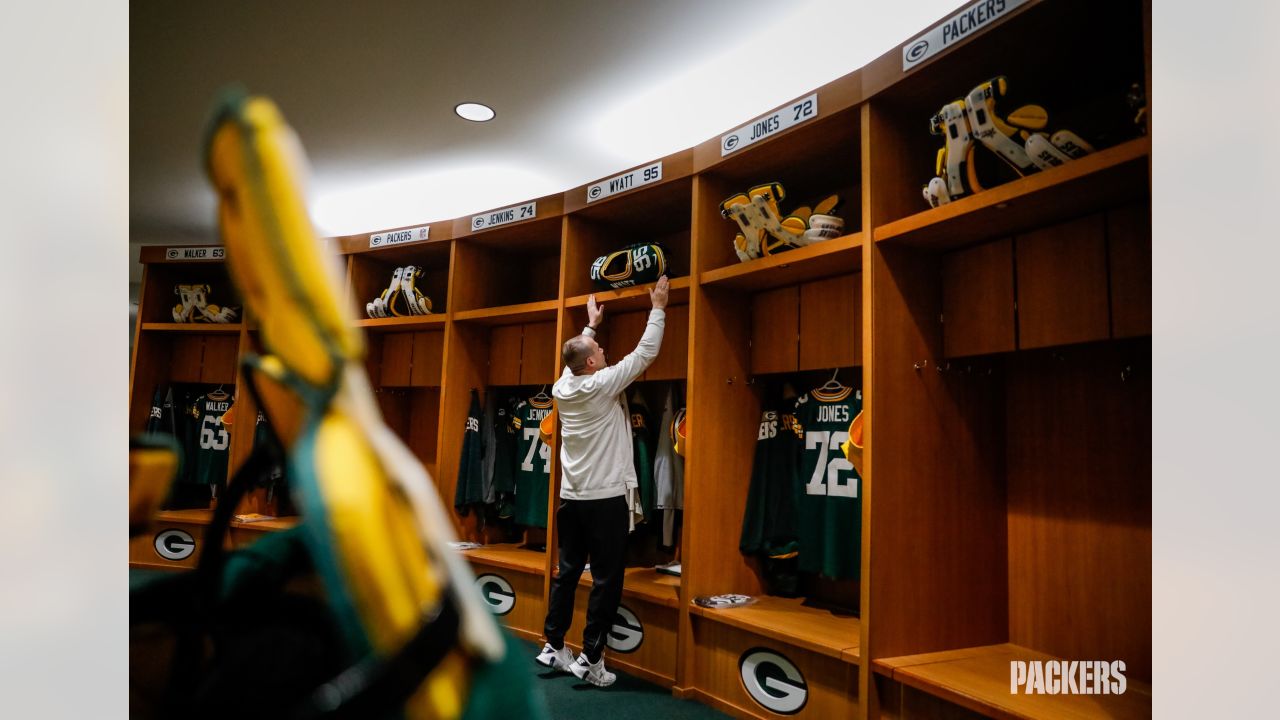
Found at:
(592, 673)
(560, 659)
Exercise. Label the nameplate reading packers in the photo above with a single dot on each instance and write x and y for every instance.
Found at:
(954, 29)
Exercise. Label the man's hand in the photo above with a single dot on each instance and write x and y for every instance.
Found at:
(658, 295)
(595, 313)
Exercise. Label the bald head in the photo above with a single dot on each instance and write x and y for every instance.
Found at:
(582, 355)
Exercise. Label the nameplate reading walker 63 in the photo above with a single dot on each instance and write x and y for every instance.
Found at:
(954, 29)
(395, 237)
(212, 252)
(626, 181)
(516, 213)
(775, 122)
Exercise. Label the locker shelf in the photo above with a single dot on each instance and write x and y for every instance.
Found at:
(195, 517)
(832, 257)
(511, 556)
(195, 328)
(634, 298)
(402, 323)
(645, 583)
(511, 314)
(1104, 179)
(978, 678)
(788, 620)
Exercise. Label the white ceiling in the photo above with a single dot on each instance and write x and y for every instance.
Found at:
(581, 88)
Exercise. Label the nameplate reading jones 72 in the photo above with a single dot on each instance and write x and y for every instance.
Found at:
(651, 173)
(527, 211)
(395, 237)
(211, 252)
(775, 122)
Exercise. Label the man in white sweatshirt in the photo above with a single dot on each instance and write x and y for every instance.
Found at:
(596, 471)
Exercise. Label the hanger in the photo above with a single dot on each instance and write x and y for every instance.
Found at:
(832, 385)
(542, 395)
(218, 395)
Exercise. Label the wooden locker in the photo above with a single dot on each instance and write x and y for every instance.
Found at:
(831, 322)
(1129, 248)
(775, 330)
(673, 359)
(186, 359)
(428, 354)
(537, 359)
(504, 355)
(977, 300)
(219, 364)
(397, 359)
(1062, 284)
(622, 333)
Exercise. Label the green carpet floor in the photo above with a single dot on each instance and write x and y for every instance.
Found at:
(630, 698)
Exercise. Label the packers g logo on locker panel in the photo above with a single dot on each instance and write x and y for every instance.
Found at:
(174, 544)
(773, 681)
(497, 592)
(627, 632)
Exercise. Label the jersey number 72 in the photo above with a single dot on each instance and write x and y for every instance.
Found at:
(831, 485)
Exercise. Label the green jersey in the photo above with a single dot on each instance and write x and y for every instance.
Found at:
(642, 453)
(469, 490)
(503, 453)
(769, 521)
(533, 474)
(830, 527)
(212, 441)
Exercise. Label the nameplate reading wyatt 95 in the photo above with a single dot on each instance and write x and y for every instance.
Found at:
(516, 213)
(395, 237)
(775, 122)
(954, 29)
(626, 181)
(212, 252)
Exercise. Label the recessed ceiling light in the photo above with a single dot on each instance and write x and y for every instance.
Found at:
(475, 112)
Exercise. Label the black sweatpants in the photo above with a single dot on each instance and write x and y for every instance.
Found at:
(594, 531)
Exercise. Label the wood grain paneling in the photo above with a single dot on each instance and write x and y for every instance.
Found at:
(831, 322)
(528, 612)
(151, 367)
(1062, 284)
(504, 354)
(978, 679)
(722, 408)
(718, 651)
(712, 236)
(1129, 246)
(428, 357)
(186, 358)
(673, 359)
(622, 333)
(397, 359)
(775, 330)
(795, 621)
(544, 277)
(424, 424)
(538, 354)
(394, 404)
(219, 362)
(977, 300)
(655, 658)
(1079, 474)
(937, 519)
(466, 365)
(468, 263)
